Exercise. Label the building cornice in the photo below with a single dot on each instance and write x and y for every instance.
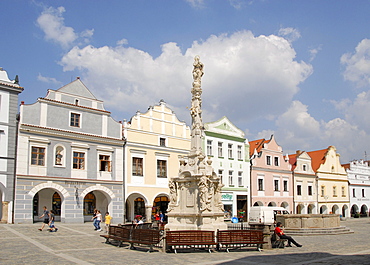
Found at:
(61, 103)
(28, 128)
(48, 178)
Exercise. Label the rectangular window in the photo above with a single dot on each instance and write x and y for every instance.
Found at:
(38, 156)
(220, 175)
(354, 193)
(260, 184)
(137, 166)
(276, 185)
(322, 191)
(310, 190)
(209, 147)
(335, 191)
(78, 160)
(240, 179)
(162, 141)
(239, 152)
(161, 168)
(75, 120)
(285, 183)
(230, 150)
(268, 160)
(276, 161)
(343, 191)
(299, 189)
(363, 193)
(220, 149)
(231, 178)
(105, 163)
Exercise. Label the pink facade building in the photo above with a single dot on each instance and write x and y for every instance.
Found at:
(271, 175)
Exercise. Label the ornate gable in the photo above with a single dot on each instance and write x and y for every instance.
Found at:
(225, 127)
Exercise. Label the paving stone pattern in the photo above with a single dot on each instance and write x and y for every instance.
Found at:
(80, 244)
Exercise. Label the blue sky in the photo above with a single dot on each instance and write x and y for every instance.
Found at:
(297, 69)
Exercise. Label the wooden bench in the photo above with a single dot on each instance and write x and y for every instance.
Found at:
(239, 238)
(143, 236)
(190, 238)
(277, 242)
(117, 233)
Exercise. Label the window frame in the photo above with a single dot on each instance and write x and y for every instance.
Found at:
(268, 160)
(161, 163)
(108, 165)
(299, 190)
(220, 149)
(38, 153)
(209, 147)
(276, 185)
(230, 151)
(239, 152)
(72, 120)
(260, 184)
(80, 160)
(137, 166)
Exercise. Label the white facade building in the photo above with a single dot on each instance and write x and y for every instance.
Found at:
(9, 90)
(70, 157)
(228, 148)
(359, 187)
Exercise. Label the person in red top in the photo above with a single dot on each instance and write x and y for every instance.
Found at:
(279, 230)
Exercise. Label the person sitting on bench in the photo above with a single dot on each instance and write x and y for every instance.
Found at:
(279, 230)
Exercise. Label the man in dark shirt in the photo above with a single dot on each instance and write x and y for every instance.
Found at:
(279, 230)
(45, 215)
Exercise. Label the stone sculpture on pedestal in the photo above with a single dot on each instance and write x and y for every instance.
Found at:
(195, 194)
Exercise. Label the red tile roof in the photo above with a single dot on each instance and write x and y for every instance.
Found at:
(318, 158)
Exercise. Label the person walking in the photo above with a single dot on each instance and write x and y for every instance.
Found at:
(279, 230)
(107, 221)
(52, 227)
(94, 218)
(45, 215)
(98, 218)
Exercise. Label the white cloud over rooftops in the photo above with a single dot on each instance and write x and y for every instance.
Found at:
(357, 64)
(51, 22)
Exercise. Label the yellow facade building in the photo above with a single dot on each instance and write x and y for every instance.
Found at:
(155, 140)
(332, 182)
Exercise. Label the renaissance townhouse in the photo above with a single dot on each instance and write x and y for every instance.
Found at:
(70, 157)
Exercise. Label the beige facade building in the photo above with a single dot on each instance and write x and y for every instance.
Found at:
(332, 182)
(305, 184)
(155, 141)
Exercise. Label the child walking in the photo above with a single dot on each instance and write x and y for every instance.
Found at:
(107, 221)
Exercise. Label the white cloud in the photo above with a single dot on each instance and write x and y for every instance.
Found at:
(297, 129)
(357, 65)
(242, 72)
(314, 52)
(51, 22)
(291, 34)
(122, 42)
(196, 3)
(45, 79)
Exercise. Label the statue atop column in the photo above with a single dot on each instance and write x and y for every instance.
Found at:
(195, 195)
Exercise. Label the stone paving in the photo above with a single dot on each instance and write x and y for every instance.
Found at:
(80, 244)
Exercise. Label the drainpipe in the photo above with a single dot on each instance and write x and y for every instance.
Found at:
(17, 118)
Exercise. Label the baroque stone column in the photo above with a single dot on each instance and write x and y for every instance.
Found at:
(195, 194)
